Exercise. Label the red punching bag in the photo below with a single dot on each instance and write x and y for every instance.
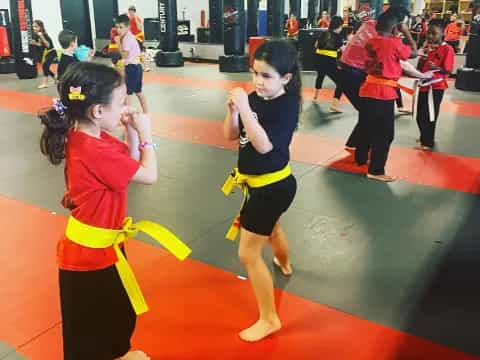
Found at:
(4, 45)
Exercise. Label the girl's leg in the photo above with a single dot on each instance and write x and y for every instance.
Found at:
(143, 102)
(46, 69)
(250, 253)
(278, 241)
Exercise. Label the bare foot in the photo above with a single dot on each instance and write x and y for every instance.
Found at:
(135, 355)
(384, 178)
(260, 330)
(423, 147)
(285, 269)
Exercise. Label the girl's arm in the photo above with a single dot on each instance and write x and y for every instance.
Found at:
(410, 70)
(256, 134)
(231, 128)
(139, 22)
(139, 132)
(44, 41)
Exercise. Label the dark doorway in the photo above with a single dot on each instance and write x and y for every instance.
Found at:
(105, 12)
(76, 17)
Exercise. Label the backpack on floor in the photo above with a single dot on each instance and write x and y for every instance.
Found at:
(26, 68)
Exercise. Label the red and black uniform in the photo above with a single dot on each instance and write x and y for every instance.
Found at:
(440, 57)
(98, 318)
(377, 126)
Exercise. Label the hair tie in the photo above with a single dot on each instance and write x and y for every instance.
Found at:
(76, 93)
(59, 107)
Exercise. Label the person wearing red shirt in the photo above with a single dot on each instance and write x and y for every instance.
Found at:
(292, 27)
(453, 31)
(324, 21)
(384, 53)
(437, 56)
(352, 66)
(98, 318)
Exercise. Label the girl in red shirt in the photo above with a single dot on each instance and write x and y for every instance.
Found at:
(436, 55)
(97, 316)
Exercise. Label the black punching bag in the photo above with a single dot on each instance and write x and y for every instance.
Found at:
(234, 37)
(296, 8)
(275, 18)
(169, 54)
(215, 9)
(252, 18)
(21, 13)
(468, 77)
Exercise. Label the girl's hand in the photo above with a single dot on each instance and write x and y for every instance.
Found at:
(239, 98)
(140, 122)
(429, 74)
(232, 107)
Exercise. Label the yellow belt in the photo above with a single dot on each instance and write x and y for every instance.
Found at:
(243, 182)
(140, 36)
(99, 238)
(330, 53)
(45, 54)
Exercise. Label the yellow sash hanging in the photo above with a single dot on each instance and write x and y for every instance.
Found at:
(99, 238)
(329, 53)
(140, 36)
(45, 54)
(243, 182)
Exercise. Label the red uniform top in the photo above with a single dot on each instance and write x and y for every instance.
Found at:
(323, 23)
(453, 32)
(97, 173)
(441, 56)
(354, 54)
(134, 28)
(383, 61)
(292, 27)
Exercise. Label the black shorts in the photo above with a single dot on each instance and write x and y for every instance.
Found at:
(133, 78)
(265, 205)
(98, 318)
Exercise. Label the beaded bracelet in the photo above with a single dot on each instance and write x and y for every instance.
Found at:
(147, 144)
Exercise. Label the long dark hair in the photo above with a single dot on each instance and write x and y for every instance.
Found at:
(95, 84)
(283, 57)
(41, 25)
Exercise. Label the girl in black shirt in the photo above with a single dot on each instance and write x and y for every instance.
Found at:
(44, 51)
(327, 46)
(264, 122)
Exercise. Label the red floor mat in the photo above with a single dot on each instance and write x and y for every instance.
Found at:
(453, 172)
(196, 309)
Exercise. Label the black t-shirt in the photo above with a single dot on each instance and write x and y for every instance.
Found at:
(65, 61)
(279, 119)
(329, 40)
(38, 50)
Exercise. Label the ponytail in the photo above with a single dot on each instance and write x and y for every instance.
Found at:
(54, 135)
(82, 86)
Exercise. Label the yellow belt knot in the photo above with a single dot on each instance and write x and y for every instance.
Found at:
(100, 238)
(243, 182)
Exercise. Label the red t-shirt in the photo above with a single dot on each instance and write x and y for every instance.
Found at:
(383, 55)
(442, 56)
(134, 28)
(354, 53)
(453, 32)
(97, 173)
